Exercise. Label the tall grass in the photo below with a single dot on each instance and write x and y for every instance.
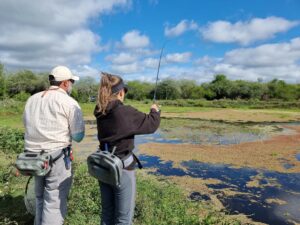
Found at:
(11, 140)
(158, 203)
(227, 103)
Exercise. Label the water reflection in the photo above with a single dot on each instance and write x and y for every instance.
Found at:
(251, 200)
(298, 156)
(201, 138)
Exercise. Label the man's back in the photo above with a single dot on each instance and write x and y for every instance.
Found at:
(51, 118)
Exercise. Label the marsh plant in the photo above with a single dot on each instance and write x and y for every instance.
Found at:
(213, 132)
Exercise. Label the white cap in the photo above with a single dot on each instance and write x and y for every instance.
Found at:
(61, 73)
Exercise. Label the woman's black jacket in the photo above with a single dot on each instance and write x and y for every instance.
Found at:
(119, 125)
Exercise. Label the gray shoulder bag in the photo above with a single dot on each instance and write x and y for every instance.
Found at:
(106, 167)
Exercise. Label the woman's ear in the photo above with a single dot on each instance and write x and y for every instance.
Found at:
(121, 95)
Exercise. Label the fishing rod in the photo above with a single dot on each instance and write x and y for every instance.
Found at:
(155, 90)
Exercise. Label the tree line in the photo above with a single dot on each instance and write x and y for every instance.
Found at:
(21, 84)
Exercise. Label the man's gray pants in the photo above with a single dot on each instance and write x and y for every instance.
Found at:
(51, 195)
(118, 202)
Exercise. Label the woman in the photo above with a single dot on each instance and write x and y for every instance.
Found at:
(117, 125)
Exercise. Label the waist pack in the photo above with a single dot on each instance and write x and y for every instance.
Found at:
(34, 164)
(38, 164)
(106, 167)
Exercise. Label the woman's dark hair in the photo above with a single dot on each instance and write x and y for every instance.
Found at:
(105, 94)
(53, 82)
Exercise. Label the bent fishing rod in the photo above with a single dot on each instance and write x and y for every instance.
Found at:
(157, 74)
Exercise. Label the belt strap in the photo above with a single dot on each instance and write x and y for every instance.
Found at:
(138, 161)
(57, 157)
(26, 189)
(128, 161)
(63, 152)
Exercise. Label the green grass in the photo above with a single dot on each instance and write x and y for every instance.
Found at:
(11, 111)
(158, 202)
(11, 121)
(12, 206)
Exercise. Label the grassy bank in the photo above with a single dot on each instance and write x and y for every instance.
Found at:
(227, 103)
(11, 110)
(11, 113)
(158, 201)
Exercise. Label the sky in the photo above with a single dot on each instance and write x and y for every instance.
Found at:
(242, 39)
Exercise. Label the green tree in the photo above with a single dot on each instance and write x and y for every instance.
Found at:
(87, 88)
(298, 91)
(2, 82)
(187, 88)
(139, 90)
(221, 86)
(168, 89)
(198, 92)
(42, 82)
(22, 81)
(278, 89)
(247, 90)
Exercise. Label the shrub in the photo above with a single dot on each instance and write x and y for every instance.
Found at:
(11, 106)
(22, 96)
(11, 140)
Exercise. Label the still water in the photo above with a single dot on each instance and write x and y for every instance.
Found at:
(251, 201)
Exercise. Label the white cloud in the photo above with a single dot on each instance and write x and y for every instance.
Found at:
(207, 61)
(40, 34)
(86, 70)
(197, 74)
(267, 61)
(178, 57)
(126, 68)
(281, 54)
(150, 63)
(182, 27)
(247, 32)
(121, 58)
(133, 40)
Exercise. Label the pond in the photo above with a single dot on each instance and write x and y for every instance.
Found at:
(275, 198)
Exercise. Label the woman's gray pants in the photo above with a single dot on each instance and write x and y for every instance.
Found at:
(51, 194)
(118, 202)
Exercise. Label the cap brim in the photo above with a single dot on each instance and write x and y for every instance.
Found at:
(75, 78)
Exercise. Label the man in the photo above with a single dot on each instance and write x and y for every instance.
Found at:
(52, 119)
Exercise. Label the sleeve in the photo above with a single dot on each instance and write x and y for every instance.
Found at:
(142, 123)
(76, 122)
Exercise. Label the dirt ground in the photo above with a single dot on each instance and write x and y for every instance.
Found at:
(268, 154)
(238, 115)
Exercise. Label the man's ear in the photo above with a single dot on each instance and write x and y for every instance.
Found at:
(64, 84)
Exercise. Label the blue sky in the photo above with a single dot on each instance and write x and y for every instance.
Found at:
(241, 39)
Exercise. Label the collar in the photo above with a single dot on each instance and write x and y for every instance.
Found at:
(111, 105)
(56, 88)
